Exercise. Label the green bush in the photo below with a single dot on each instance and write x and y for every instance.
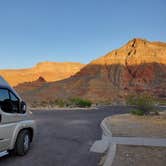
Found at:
(80, 102)
(74, 102)
(144, 104)
(137, 112)
(130, 100)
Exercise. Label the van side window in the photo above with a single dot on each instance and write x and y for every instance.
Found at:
(4, 98)
(4, 95)
(15, 102)
(13, 97)
(8, 102)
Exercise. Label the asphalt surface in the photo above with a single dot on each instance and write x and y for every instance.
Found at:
(64, 138)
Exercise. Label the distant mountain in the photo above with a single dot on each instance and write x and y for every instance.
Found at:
(137, 67)
(50, 71)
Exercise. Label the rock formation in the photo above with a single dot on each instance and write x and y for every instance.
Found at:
(50, 71)
(137, 67)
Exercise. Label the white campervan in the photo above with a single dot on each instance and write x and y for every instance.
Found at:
(16, 127)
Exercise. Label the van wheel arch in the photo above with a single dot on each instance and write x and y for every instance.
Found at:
(30, 131)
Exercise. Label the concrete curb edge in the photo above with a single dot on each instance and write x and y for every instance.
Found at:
(106, 131)
(111, 153)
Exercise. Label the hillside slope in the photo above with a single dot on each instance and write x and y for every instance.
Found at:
(50, 71)
(139, 66)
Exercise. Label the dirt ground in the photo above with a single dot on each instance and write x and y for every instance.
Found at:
(138, 126)
(140, 156)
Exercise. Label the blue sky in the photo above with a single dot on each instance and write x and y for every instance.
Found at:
(32, 31)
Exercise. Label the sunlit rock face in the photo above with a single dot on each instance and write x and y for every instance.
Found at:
(137, 67)
(50, 71)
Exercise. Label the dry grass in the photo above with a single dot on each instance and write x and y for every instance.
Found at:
(139, 126)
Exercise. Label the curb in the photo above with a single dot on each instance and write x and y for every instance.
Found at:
(112, 147)
(105, 145)
(110, 155)
(105, 129)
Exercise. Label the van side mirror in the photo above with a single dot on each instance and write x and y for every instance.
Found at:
(23, 107)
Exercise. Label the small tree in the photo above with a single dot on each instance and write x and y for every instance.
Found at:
(144, 104)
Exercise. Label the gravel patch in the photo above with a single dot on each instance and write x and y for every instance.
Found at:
(140, 156)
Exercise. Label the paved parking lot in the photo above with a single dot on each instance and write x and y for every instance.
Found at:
(64, 138)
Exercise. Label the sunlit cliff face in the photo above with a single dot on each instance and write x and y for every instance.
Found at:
(50, 71)
(139, 66)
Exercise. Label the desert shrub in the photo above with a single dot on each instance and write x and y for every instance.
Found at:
(137, 112)
(50, 103)
(145, 104)
(74, 102)
(130, 100)
(80, 102)
(105, 102)
(60, 103)
(162, 101)
(44, 103)
(34, 104)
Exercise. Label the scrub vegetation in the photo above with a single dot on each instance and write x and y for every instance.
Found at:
(71, 102)
(144, 104)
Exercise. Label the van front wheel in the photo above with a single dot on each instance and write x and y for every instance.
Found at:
(23, 143)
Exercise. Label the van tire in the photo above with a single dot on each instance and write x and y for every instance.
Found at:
(22, 143)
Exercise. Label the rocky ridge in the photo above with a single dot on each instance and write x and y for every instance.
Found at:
(138, 66)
